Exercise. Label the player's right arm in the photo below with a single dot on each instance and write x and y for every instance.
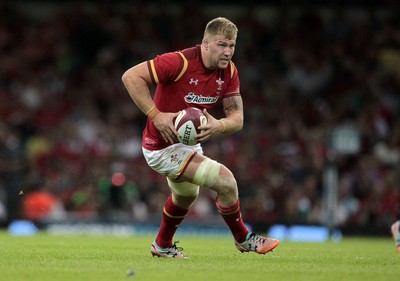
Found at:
(136, 81)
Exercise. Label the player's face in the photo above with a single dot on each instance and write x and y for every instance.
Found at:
(221, 51)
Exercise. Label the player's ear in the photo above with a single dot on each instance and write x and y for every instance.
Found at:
(205, 43)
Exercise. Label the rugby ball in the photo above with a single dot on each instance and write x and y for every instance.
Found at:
(187, 123)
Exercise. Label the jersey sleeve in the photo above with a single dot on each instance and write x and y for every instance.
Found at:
(233, 88)
(166, 67)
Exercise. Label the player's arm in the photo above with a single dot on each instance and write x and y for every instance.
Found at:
(136, 81)
(233, 109)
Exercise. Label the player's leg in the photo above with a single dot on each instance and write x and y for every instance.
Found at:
(171, 162)
(217, 177)
(175, 209)
(210, 174)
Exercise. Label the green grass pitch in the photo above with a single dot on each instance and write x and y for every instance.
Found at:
(57, 258)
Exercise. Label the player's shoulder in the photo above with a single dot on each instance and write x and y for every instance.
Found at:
(189, 58)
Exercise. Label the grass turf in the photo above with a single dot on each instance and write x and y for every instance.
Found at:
(58, 258)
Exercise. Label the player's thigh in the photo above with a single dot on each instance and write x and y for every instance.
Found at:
(173, 160)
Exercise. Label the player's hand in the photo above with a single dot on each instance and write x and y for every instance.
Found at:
(164, 122)
(212, 128)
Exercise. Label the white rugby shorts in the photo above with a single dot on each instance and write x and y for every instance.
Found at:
(172, 160)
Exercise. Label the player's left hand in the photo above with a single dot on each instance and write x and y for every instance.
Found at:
(212, 128)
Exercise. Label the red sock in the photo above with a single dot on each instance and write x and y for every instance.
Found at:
(233, 218)
(171, 218)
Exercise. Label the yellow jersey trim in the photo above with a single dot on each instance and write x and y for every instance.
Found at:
(232, 69)
(153, 70)
(184, 68)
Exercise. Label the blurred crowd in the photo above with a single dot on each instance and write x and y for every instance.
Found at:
(70, 137)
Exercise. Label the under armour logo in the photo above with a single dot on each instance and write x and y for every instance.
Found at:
(192, 81)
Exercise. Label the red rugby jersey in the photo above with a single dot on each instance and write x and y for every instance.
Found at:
(183, 81)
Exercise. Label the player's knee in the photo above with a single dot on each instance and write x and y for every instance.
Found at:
(227, 178)
(226, 183)
(207, 173)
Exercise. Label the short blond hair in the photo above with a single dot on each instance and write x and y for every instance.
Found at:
(221, 26)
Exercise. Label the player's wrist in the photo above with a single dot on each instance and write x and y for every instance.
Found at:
(152, 112)
(222, 128)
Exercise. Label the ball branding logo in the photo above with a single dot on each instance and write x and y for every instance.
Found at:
(187, 133)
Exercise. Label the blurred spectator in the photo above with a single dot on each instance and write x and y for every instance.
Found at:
(42, 205)
(13, 167)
